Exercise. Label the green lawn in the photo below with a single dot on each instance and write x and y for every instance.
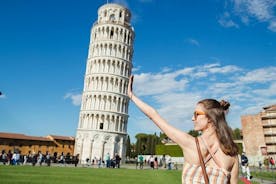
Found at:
(62, 175)
(266, 175)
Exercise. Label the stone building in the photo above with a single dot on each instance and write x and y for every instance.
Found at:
(34, 144)
(259, 134)
(103, 117)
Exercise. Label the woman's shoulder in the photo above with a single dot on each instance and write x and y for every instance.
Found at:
(229, 161)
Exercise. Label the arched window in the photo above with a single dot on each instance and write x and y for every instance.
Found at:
(112, 17)
(111, 34)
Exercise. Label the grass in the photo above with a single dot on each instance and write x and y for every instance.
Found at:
(62, 175)
(82, 175)
(268, 175)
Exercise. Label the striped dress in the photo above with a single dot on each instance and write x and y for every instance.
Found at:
(192, 174)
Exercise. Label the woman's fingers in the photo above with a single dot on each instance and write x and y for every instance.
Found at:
(130, 83)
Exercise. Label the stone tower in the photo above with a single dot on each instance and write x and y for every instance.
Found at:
(103, 118)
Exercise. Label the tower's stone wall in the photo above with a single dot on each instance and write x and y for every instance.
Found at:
(103, 116)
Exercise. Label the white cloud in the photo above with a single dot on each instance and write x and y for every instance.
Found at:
(149, 84)
(200, 74)
(193, 42)
(270, 91)
(251, 109)
(272, 25)
(178, 107)
(166, 69)
(136, 69)
(75, 98)
(185, 71)
(260, 10)
(174, 93)
(226, 21)
(225, 69)
(245, 19)
(260, 75)
(207, 66)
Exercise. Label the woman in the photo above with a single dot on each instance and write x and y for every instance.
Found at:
(217, 147)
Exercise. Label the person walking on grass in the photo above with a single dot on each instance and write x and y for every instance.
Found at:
(215, 143)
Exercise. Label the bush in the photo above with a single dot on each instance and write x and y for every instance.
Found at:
(172, 150)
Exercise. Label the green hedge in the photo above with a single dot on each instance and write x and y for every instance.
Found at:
(172, 150)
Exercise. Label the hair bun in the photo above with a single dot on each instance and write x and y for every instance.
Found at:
(224, 104)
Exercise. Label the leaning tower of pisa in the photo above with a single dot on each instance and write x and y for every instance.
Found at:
(103, 117)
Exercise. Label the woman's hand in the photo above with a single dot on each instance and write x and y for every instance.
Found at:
(129, 88)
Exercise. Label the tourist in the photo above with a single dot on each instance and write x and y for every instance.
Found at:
(99, 162)
(76, 160)
(4, 157)
(40, 158)
(272, 163)
(48, 158)
(107, 160)
(117, 160)
(151, 161)
(170, 163)
(155, 163)
(245, 166)
(141, 161)
(163, 161)
(215, 143)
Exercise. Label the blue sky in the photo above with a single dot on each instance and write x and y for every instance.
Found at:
(184, 51)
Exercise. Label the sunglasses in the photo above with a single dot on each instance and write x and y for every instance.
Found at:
(197, 113)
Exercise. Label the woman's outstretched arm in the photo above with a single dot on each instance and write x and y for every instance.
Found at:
(181, 138)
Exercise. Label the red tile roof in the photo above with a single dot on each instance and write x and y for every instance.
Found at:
(6, 135)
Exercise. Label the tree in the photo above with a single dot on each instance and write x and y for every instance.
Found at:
(237, 134)
(146, 143)
(133, 150)
(128, 147)
(162, 136)
(140, 143)
(193, 133)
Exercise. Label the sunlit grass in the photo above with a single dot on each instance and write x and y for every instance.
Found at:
(62, 175)
(80, 175)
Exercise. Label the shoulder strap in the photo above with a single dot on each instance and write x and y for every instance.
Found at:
(217, 161)
(201, 162)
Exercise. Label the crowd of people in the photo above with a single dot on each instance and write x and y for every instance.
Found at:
(107, 162)
(154, 162)
(16, 158)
